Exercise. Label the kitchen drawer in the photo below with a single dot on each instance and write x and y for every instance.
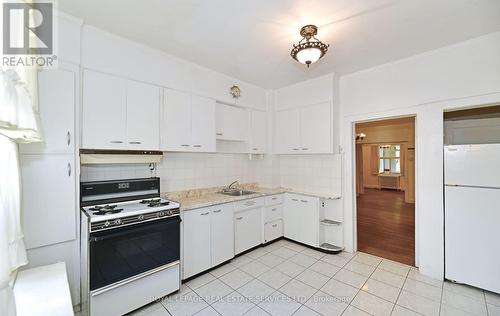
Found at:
(248, 204)
(273, 230)
(272, 213)
(274, 199)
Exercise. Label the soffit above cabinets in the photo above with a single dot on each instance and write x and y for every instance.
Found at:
(251, 40)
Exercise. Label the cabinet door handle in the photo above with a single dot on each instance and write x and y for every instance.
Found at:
(68, 138)
(250, 203)
(185, 145)
(295, 200)
(305, 201)
(198, 146)
(135, 143)
(305, 148)
(206, 213)
(254, 148)
(239, 218)
(275, 225)
(295, 149)
(69, 169)
(273, 210)
(218, 134)
(116, 142)
(274, 198)
(217, 211)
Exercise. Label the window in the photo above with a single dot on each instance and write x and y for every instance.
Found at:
(389, 159)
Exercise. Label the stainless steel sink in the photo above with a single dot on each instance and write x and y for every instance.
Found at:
(237, 192)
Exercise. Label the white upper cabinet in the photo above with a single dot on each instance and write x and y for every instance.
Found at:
(119, 113)
(304, 130)
(143, 106)
(202, 124)
(56, 101)
(104, 111)
(316, 128)
(176, 121)
(188, 122)
(287, 132)
(258, 131)
(231, 122)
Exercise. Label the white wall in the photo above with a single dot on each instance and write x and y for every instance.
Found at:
(476, 131)
(109, 53)
(462, 75)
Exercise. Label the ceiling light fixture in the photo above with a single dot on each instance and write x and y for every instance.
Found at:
(309, 49)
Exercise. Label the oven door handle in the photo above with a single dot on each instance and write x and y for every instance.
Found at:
(109, 234)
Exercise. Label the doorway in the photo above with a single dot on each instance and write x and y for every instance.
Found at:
(385, 188)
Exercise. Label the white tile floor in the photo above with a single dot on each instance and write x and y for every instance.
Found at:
(285, 278)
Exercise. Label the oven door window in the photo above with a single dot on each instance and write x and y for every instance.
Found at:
(121, 253)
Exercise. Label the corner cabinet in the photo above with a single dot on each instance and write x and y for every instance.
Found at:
(187, 122)
(119, 113)
(301, 218)
(304, 130)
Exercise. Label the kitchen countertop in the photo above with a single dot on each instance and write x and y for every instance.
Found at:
(193, 199)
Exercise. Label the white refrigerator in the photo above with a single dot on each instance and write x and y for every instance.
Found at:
(472, 215)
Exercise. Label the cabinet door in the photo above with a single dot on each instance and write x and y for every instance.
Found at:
(56, 101)
(291, 217)
(273, 230)
(196, 243)
(104, 111)
(316, 128)
(258, 131)
(308, 217)
(287, 132)
(48, 199)
(247, 229)
(222, 238)
(176, 121)
(143, 111)
(202, 124)
(231, 122)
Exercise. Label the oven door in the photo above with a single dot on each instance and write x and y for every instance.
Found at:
(120, 253)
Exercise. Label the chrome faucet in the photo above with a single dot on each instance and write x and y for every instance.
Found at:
(229, 187)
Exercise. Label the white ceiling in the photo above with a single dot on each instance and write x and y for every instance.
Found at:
(251, 39)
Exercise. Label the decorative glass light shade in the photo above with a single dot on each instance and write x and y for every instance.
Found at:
(309, 50)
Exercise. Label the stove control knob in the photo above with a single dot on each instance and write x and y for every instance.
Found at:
(141, 217)
(118, 221)
(106, 224)
(161, 213)
(169, 212)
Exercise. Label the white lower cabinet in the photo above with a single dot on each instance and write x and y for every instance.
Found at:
(273, 230)
(301, 218)
(208, 238)
(247, 229)
(196, 242)
(222, 236)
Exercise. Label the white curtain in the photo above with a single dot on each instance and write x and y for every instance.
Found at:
(18, 123)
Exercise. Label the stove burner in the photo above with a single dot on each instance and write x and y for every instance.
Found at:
(155, 202)
(106, 209)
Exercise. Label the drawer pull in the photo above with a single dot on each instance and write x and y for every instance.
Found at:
(239, 218)
(135, 143)
(305, 148)
(217, 211)
(250, 203)
(296, 200)
(218, 134)
(185, 145)
(274, 209)
(197, 146)
(275, 225)
(305, 201)
(274, 198)
(206, 213)
(116, 142)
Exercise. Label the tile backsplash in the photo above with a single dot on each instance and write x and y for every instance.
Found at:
(184, 171)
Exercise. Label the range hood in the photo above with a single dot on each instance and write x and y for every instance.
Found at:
(99, 156)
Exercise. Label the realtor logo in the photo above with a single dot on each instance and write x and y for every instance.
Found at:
(28, 34)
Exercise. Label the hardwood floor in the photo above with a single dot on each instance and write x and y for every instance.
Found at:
(386, 225)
